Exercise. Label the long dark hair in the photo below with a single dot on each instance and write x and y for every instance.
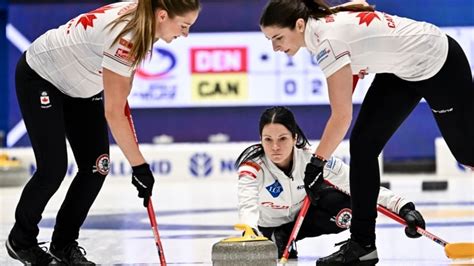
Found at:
(284, 13)
(274, 115)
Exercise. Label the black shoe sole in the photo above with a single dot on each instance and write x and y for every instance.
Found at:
(359, 263)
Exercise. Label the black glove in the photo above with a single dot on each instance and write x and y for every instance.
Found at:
(143, 180)
(313, 178)
(413, 219)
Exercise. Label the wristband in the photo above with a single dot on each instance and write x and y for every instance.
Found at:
(318, 161)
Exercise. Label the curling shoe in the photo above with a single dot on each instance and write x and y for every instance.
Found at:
(71, 254)
(34, 255)
(351, 253)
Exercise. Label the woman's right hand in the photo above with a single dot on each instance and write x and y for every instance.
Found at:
(143, 180)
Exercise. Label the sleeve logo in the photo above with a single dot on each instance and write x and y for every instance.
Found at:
(323, 55)
(367, 17)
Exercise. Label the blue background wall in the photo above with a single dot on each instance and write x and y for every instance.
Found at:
(240, 123)
(3, 72)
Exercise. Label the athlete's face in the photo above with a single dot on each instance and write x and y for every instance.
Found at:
(278, 144)
(169, 29)
(285, 39)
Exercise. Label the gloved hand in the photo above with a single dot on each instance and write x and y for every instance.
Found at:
(143, 180)
(413, 219)
(313, 178)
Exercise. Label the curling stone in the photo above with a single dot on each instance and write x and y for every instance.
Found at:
(249, 249)
(12, 172)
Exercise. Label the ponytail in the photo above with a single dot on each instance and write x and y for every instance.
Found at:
(250, 153)
(319, 8)
(140, 21)
(284, 13)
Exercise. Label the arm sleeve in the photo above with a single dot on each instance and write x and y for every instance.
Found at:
(337, 173)
(115, 56)
(332, 55)
(248, 189)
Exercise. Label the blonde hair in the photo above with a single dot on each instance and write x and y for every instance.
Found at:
(141, 21)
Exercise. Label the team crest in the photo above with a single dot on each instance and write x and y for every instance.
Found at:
(102, 164)
(44, 99)
(343, 218)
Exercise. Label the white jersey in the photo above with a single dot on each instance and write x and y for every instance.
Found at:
(376, 42)
(72, 56)
(269, 198)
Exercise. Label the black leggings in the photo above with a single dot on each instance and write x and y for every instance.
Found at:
(331, 215)
(389, 101)
(50, 117)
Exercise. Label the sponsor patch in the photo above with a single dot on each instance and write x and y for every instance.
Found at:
(322, 55)
(122, 53)
(275, 189)
(275, 206)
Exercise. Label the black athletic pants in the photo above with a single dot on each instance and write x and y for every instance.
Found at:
(330, 215)
(50, 117)
(449, 94)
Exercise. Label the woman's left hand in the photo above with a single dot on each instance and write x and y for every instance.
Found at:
(313, 178)
(413, 218)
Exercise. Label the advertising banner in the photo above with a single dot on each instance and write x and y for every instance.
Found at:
(181, 161)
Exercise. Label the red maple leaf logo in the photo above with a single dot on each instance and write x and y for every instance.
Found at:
(367, 17)
(88, 18)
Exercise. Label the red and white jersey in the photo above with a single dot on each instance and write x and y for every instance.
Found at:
(72, 56)
(269, 198)
(377, 42)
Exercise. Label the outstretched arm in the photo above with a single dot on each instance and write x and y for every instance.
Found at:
(116, 90)
(340, 98)
(248, 195)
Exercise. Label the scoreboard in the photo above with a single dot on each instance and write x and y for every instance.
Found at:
(241, 69)
(228, 69)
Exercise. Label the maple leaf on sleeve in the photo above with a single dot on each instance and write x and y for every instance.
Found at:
(367, 17)
(88, 18)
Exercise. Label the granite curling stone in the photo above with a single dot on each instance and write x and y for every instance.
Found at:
(249, 249)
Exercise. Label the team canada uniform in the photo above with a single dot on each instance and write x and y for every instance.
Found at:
(375, 42)
(72, 56)
(412, 60)
(269, 198)
(59, 88)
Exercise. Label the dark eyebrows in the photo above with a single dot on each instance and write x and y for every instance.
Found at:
(275, 36)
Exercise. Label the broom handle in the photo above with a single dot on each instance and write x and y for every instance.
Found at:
(400, 220)
(296, 228)
(150, 210)
(420, 230)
